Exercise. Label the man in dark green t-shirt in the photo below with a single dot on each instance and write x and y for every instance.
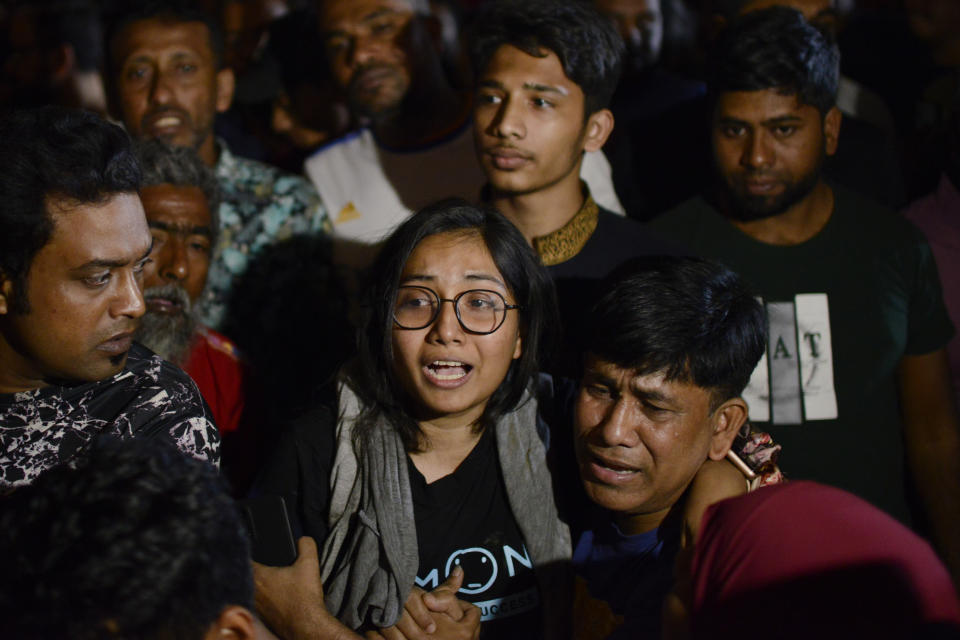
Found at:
(855, 381)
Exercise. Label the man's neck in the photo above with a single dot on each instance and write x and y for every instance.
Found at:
(796, 225)
(637, 523)
(16, 374)
(208, 151)
(542, 212)
(425, 117)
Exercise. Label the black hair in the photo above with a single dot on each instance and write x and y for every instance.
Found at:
(589, 48)
(138, 541)
(181, 167)
(691, 319)
(523, 274)
(54, 152)
(123, 13)
(776, 48)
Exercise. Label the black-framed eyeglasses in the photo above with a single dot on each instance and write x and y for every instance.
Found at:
(479, 311)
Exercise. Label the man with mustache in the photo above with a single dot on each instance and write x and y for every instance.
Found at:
(166, 80)
(545, 74)
(418, 146)
(180, 197)
(855, 385)
(668, 348)
(73, 247)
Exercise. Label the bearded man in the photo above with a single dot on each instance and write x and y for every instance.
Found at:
(180, 198)
(855, 382)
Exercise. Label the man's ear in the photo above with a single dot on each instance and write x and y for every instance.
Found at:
(6, 294)
(226, 83)
(598, 129)
(831, 130)
(727, 420)
(233, 623)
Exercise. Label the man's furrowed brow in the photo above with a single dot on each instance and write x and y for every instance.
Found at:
(379, 13)
(545, 88)
(201, 230)
(489, 83)
(788, 118)
(105, 263)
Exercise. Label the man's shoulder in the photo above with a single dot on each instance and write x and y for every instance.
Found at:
(242, 176)
(644, 239)
(871, 223)
(353, 143)
(146, 371)
(691, 223)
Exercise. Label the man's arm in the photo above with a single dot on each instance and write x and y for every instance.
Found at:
(932, 436)
(290, 599)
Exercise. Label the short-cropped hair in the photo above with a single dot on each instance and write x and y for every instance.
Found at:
(126, 12)
(181, 167)
(54, 153)
(138, 541)
(589, 48)
(690, 319)
(776, 48)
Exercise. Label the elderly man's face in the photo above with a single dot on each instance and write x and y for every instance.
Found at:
(371, 45)
(83, 297)
(167, 84)
(180, 224)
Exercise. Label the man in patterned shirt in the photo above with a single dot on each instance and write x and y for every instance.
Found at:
(73, 244)
(167, 80)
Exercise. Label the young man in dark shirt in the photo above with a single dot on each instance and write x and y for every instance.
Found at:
(545, 73)
(73, 245)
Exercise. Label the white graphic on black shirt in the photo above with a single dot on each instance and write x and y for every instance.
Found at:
(794, 381)
(480, 570)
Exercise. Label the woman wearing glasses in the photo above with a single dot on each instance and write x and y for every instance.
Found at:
(434, 459)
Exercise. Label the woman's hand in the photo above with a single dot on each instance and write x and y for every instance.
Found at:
(434, 614)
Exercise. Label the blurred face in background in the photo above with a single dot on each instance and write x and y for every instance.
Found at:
(640, 24)
(373, 47)
(168, 85)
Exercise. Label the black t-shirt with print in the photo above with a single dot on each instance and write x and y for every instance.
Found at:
(464, 519)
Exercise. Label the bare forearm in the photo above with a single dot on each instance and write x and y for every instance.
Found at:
(932, 437)
(935, 466)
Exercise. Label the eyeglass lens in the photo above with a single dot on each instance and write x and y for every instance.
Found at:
(479, 310)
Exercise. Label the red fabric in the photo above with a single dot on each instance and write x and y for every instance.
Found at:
(803, 560)
(215, 365)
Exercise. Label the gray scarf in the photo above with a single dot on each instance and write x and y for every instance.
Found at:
(370, 557)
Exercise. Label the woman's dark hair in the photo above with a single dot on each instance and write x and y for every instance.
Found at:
(525, 277)
(60, 153)
(776, 48)
(589, 48)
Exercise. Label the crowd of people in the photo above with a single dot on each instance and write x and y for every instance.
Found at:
(479, 319)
